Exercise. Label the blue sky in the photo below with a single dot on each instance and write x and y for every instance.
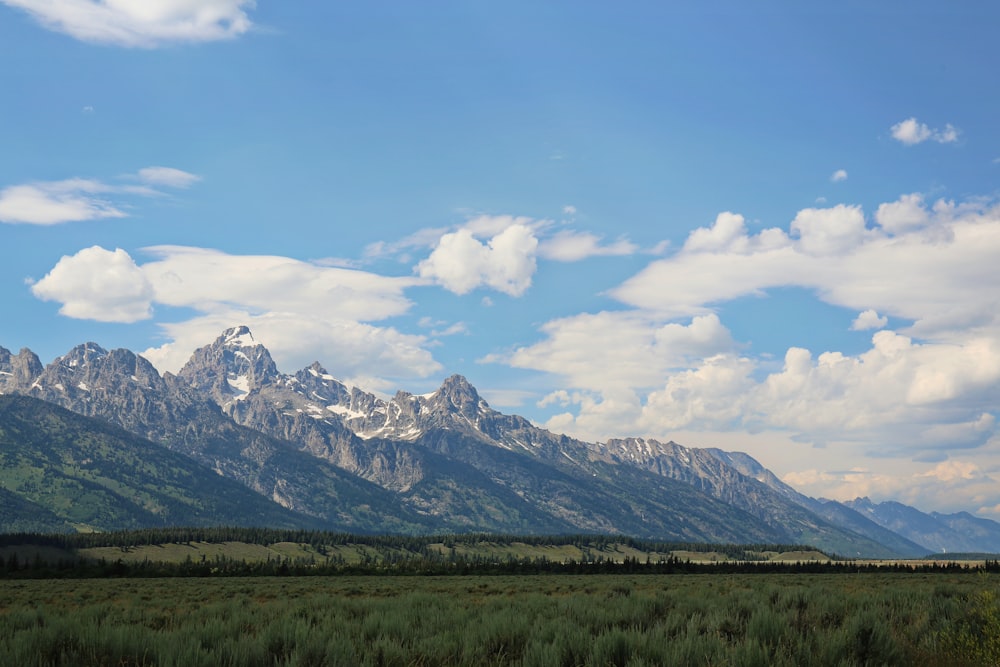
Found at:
(768, 227)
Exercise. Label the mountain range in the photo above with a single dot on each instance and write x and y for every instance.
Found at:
(100, 440)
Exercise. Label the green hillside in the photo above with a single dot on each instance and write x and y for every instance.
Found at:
(62, 471)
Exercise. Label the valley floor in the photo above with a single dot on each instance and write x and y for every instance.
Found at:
(702, 619)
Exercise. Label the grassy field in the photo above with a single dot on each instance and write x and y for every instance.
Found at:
(702, 619)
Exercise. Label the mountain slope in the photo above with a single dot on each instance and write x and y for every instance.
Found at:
(125, 389)
(94, 476)
(519, 468)
(982, 533)
(890, 544)
(924, 529)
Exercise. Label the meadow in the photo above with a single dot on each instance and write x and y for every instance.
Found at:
(865, 618)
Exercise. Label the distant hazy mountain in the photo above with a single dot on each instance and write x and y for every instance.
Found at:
(345, 458)
(938, 533)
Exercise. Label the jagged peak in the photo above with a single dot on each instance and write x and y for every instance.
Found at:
(638, 441)
(234, 364)
(316, 369)
(456, 386)
(84, 353)
(239, 336)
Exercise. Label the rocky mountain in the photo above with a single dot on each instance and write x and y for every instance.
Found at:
(384, 441)
(124, 389)
(832, 511)
(76, 472)
(434, 462)
(938, 533)
(739, 480)
(983, 533)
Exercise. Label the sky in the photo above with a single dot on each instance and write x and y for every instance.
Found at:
(767, 227)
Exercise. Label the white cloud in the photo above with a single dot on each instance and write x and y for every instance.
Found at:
(636, 350)
(141, 23)
(305, 312)
(209, 279)
(950, 485)
(441, 328)
(56, 202)
(838, 176)
(926, 390)
(79, 199)
(98, 284)
(571, 246)
(825, 231)
(941, 280)
(728, 232)
(869, 319)
(461, 263)
(497, 252)
(167, 176)
(360, 354)
(907, 213)
(911, 132)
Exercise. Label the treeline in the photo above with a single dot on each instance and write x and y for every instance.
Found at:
(432, 564)
(57, 555)
(415, 543)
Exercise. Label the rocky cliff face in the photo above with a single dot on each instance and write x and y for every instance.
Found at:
(18, 370)
(307, 408)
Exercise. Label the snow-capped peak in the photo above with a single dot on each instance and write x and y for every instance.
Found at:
(239, 337)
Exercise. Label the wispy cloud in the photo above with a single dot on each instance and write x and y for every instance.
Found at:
(167, 176)
(55, 202)
(141, 23)
(572, 246)
(78, 199)
(911, 131)
(838, 176)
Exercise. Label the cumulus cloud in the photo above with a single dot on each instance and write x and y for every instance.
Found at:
(141, 23)
(869, 319)
(98, 284)
(635, 348)
(728, 232)
(825, 231)
(838, 176)
(305, 312)
(925, 391)
(906, 213)
(941, 281)
(497, 252)
(361, 354)
(911, 132)
(504, 262)
(79, 199)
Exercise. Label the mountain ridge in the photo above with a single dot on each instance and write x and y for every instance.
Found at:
(438, 461)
